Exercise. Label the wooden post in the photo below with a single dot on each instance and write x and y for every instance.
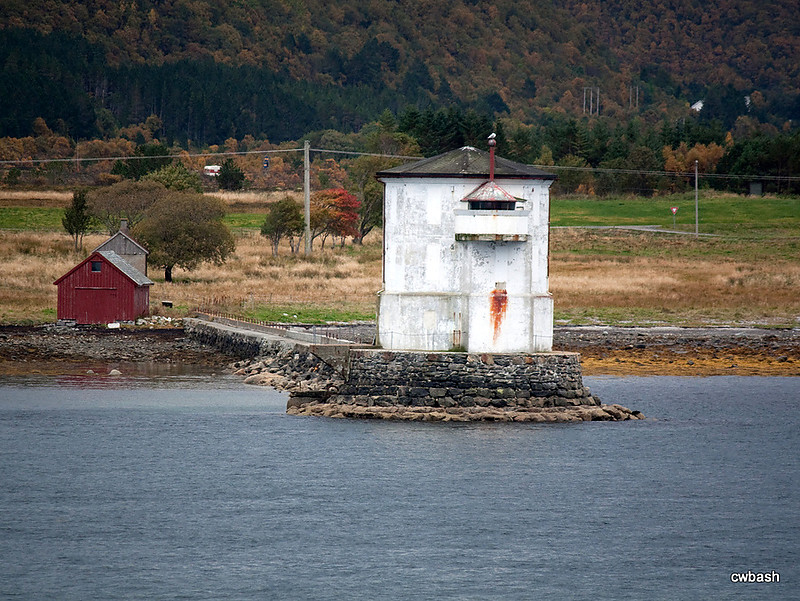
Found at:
(307, 195)
(696, 204)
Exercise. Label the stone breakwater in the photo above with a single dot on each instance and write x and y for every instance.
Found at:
(467, 414)
(339, 380)
(542, 387)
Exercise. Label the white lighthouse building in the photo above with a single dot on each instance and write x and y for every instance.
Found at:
(465, 261)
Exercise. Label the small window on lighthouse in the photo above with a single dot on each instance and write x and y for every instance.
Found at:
(491, 205)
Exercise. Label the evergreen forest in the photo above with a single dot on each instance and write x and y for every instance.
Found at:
(617, 85)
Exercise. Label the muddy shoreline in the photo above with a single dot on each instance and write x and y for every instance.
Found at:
(50, 347)
(604, 350)
(703, 351)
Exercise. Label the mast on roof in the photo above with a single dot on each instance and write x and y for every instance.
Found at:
(492, 144)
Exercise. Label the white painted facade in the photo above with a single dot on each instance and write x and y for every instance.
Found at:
(460, 278)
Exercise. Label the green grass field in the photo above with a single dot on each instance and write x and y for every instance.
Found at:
(48, 219)
(31, 218)
(719, 214)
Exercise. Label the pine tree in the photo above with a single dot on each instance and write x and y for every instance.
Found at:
(230, 176)
(76, 218)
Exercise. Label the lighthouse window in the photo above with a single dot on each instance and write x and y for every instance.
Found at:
(491, 205)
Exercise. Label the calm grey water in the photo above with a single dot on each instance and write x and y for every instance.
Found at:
(202, 488)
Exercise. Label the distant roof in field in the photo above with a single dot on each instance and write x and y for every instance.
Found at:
(122, 242)
(129, 270)
(466, 162)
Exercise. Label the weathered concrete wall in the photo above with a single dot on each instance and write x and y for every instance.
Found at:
(442, 262)
(235, 340)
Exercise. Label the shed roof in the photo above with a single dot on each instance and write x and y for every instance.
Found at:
(123, 241)
(466, 162)
(128, 270)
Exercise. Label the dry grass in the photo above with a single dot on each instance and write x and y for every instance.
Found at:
(604, 276)
(30, 263)
(254, 277)
(238, 202)
(253, 202)
(660, 285)
(659, 280)
(41, 198)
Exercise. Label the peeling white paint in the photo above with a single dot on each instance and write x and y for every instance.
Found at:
(435, 284)
(433, 208)
(433, 265)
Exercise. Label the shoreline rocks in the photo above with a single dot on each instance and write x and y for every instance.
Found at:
(560, 415)
(53, 344)
(510, 391)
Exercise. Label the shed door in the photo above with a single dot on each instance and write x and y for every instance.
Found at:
(98, 305)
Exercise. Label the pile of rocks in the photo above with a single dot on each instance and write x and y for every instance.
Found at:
(318, 389)
(581, 413)
(292, 369)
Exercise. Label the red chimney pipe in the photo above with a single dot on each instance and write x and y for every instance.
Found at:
(492, 144)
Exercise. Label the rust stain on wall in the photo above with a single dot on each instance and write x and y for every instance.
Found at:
(498, 302)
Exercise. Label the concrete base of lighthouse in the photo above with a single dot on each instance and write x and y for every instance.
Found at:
(494, 322)
(337, 379)
(453, 386)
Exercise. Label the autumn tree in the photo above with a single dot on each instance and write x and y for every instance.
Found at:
(125, 200)
(284, 218)
(176, 177)
(387, 140)
(76, 218)
(334, 212)
(184, 229)
(344, 214)
(682, 158)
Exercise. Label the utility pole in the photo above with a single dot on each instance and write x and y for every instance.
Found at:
(696, 204)
(307, 195)
(594, 103)
(633, 100)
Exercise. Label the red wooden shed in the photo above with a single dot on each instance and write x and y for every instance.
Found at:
(103, 288)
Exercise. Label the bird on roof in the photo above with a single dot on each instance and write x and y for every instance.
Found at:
(492, 136)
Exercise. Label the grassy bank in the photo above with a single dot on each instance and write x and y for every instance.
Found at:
(718, 213)
(48, 219)
(750, 274)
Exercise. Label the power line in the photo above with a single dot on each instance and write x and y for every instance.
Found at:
(669, 173)
(368, 154)
(776, 178)
(202, 154)
(137, 158)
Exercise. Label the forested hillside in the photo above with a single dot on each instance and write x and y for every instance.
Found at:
(277, 69)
